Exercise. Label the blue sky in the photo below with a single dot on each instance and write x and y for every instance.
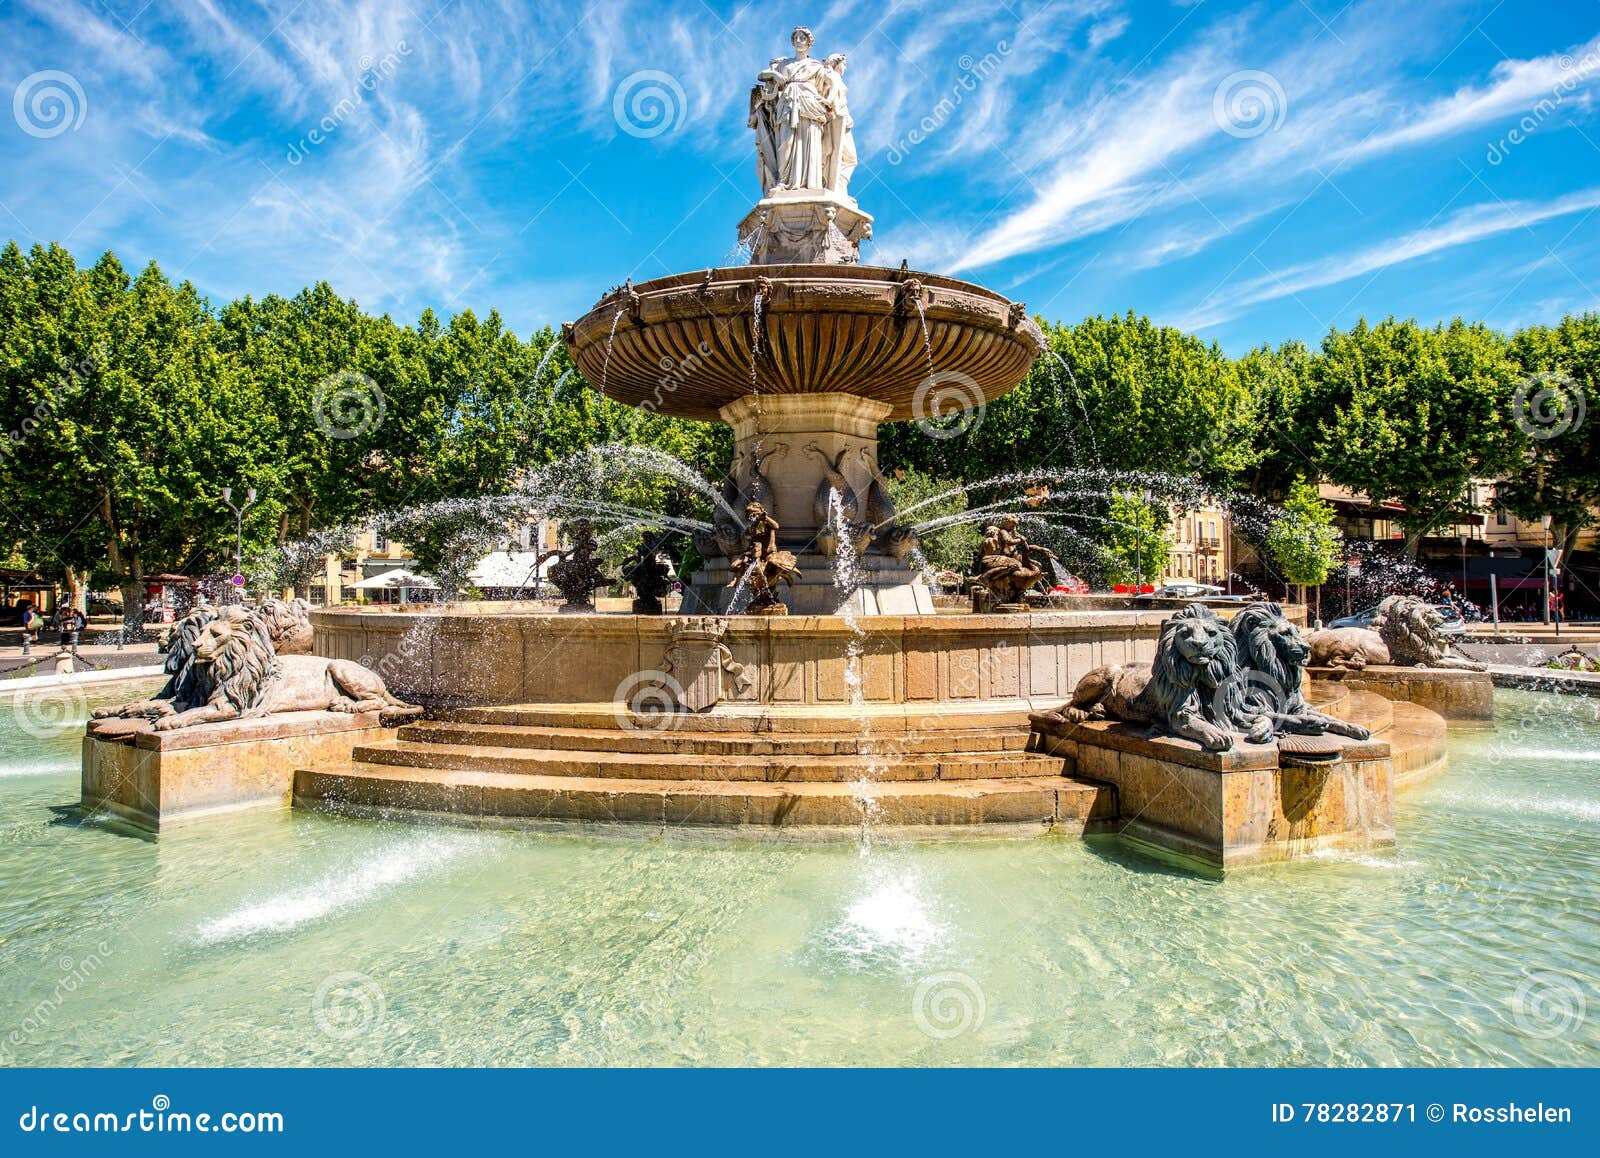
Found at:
(1251, 172)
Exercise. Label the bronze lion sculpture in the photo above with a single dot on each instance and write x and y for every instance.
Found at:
(1406, 632)
(188, 685)
(1268, 685)
(1179, 693)
(249, 679)
(288, 623)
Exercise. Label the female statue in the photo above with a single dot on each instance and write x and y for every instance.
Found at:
(839, 147)
(803, 87)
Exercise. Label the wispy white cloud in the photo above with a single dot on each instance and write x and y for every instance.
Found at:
(1515, 87)
(1462, 228)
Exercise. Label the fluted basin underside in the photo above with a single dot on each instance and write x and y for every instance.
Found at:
(681, 345)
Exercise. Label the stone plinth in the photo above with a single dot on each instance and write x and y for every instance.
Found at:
(1219, 811)
(783, 428)
(155, 779)
(885, 586)
(805, 226)
(459, 655)
(1455, 695)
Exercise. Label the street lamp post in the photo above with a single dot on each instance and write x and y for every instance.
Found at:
(1545, 616)
(238, 530)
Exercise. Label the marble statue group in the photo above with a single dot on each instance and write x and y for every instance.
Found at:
(800, 112)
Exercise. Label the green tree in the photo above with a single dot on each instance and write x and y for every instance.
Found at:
(1137, 547)
(1560, 473)
(947, 548)
(1147, 397)
(141, 421)
(1304, 544)
(1284, 410)
(1415, 414)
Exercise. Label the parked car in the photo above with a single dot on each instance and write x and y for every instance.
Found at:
(1452, 625)
(1070, 584)
(1188, 591)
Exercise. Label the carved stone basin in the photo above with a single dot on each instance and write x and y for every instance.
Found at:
(681, 345)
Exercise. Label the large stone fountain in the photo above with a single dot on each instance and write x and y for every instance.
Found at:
(804, 352)
(861, 705)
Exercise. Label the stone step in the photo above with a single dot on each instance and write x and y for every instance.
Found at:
(1416, 743)
(885, 765)
(762, 718)
(1373, 712)
(666, 738)
(1036, 804)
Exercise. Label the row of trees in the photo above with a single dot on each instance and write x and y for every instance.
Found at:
(131, 401)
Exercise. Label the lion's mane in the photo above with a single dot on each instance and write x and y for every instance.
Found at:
(245, 665)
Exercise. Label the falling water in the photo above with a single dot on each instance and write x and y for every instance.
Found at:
(611, 336)
(847, 580)
(927, 342)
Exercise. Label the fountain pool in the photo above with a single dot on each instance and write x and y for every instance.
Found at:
(296, 938)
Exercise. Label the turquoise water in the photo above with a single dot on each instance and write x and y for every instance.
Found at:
(301, 939)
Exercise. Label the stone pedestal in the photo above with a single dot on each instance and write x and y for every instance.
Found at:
(1454, 694)
(155, 779)
(805, 227)
(884, 586)
(799, 438)
(782, 427)
(1219, 811)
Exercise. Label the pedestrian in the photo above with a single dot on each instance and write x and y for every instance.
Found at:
(32, 624)
(72, 625)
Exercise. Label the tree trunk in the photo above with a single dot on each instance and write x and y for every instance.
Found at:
(77, 590)
(132, 606)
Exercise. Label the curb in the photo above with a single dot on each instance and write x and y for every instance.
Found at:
(79, 679)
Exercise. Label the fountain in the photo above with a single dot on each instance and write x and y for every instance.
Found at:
(808, 682)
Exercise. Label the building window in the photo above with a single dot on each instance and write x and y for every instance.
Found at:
(380, 542)
(1500, 517)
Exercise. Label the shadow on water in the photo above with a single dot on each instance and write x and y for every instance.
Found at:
(76, 816)
(1111, 848)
